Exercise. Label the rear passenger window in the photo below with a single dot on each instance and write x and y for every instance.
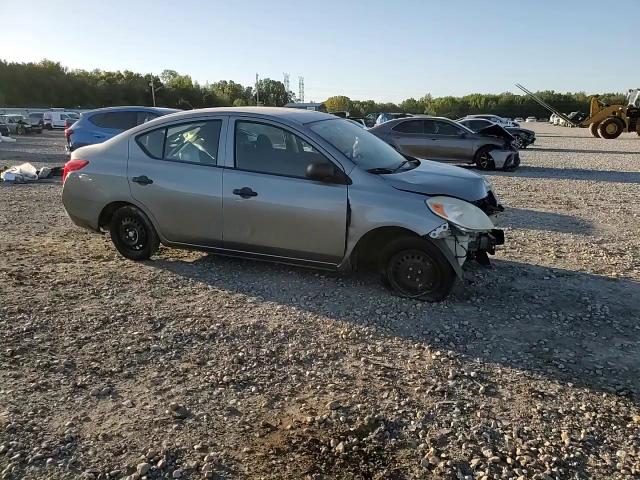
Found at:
(410, 126)
(188, 142)
(115, 120)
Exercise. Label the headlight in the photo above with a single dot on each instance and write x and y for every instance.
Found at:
(460, 213)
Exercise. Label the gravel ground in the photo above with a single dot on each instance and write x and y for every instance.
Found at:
(194, 366)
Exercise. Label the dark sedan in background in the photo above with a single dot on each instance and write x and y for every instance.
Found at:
(522, 137)
(443, 140)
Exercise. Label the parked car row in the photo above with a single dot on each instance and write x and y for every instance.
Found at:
(289, 185)
(522, 137)
(14, 124)
(441, 139)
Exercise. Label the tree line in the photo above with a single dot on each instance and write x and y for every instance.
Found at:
(49, 84)
(504, 104)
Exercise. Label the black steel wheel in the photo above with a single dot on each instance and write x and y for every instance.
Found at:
(414, 268)
(133, 234)
(483, 158)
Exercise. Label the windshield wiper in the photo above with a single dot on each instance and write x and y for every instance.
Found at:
(380, 170)
(402, 164)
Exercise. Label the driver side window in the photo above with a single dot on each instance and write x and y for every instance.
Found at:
(264, 148)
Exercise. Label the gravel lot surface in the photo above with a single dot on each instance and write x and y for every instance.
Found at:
(195, 366)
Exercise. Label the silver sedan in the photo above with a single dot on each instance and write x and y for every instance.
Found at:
(286, 185)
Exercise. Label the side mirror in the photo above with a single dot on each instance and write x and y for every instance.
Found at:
(321, 171)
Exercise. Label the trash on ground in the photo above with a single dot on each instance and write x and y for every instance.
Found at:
(27, 173)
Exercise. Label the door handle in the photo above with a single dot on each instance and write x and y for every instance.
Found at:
(142, 180)
(245, 192)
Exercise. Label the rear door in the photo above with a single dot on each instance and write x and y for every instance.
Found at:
(270, 208)
(408, 137)
(175, 174)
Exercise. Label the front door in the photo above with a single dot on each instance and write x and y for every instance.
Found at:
(450, 142)
(270, 208)
(175, 174)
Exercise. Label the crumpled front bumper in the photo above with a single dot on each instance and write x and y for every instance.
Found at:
(458, 246)
(505, 159)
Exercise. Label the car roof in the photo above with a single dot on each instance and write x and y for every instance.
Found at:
(295, 115)
(126, 108)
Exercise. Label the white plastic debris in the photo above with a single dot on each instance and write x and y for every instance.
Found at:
(20, 174)
(6, 139)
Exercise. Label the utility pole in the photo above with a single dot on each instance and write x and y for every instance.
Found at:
(301, 89)
(153, 92)
(257, 92)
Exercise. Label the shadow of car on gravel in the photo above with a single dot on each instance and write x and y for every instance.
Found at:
(614, 176)
(549, 323)
(521, 218)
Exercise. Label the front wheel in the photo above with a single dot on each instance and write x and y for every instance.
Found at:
(133, 234)
(518, 142)
(593, 129)
(483, 159)
(611, 127)
(414, 268)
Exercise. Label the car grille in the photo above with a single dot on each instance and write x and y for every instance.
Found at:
(489, 204)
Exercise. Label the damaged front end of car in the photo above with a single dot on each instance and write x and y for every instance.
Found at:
(466, 233)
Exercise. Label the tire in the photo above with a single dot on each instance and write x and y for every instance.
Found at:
(611, 127)
(133, 234)
(593, 129)
(483, 160)
(407, 256)
(518, 142)
(20, 130)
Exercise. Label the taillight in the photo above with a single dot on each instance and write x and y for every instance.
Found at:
(72, 166)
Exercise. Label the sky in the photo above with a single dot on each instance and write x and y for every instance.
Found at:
(365, 49)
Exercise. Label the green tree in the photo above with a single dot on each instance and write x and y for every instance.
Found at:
(273, 93)
(339, 103)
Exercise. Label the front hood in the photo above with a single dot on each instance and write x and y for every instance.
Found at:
(496, 131)
(433, 178)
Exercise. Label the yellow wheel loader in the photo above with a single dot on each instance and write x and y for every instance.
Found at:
(604, 121)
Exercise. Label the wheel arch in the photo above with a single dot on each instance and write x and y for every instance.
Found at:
(364, 251)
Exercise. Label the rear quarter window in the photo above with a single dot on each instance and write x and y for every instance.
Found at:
(152, 142)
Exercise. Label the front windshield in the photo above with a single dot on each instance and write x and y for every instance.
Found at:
(365, 149)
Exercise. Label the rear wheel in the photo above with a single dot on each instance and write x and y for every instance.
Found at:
(133, 234)
(611, 127)
(483, 159)
(593, 129)
(414, 268)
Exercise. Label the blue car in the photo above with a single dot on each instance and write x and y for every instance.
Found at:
(97, 126)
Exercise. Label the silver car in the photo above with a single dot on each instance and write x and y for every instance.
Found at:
(286, 185)
(444, 140)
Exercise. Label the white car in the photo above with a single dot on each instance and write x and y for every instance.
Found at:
(57, 119)
(503, 122)
(518, 119)
(531, 119)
